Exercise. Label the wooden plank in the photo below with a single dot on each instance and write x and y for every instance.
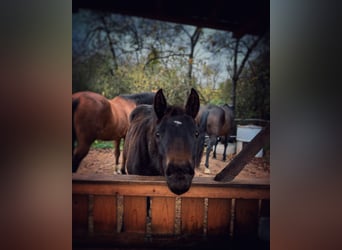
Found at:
(157, 180)
(235, 166)
(264, 221)
(135, 213)
(265, 208)
(163, 215)
(246, 218)
(219, 211)
(136, 241)
(136, 189)
(192, 215)
(79, 213)
(104, 213)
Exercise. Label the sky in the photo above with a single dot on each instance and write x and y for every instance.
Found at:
(81, 26)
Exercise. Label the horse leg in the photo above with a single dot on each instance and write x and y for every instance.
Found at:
(215, 145)
(81, 151)
(211, 142)
(124, 158)
(225, 148)
(117, 155)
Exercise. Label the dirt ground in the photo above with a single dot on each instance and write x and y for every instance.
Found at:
(101, 161)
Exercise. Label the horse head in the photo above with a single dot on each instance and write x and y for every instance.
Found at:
(176, 136)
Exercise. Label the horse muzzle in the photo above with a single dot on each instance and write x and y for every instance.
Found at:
(179, 177)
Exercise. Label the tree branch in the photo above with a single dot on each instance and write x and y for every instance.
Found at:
(163, 57)
(249, 51)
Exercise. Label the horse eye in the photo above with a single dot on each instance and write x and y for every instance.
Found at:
(196, 133)
(157, 134)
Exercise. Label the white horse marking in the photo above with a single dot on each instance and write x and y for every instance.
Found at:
(178, 123)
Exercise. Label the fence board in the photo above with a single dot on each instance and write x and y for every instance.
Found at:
(79, 213)
(192, 223)
(104, 213)
(192, 215)
(135, 213)
(246, 218)
(265, 208)
(219, 211)
(163, 215)
(264, 220)
(202, 187)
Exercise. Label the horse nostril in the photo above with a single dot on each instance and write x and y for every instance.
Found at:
(179, 177)
(179, 169)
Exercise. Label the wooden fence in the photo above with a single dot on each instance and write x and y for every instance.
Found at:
(112, 211)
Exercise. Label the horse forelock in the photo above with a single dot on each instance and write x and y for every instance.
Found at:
(172, 111)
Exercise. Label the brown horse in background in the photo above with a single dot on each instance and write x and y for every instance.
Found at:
(96, 117)
(215, 121)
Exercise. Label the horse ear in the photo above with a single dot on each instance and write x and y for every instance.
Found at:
(193, 104)
(159, 104)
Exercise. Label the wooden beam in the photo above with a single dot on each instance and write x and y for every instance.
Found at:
(160, 180)
(247, 153)
(161, 190)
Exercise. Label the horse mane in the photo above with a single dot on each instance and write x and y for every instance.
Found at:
(141, 111)
(142, 121)
(140, 98)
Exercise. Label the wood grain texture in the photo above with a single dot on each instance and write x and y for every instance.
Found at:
(219, 211)
(246, 218)
(192, 216)
(79, 213)
(104, 213)
(163, 215)
(134, 214)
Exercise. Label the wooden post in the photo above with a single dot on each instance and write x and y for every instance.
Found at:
(246, 154)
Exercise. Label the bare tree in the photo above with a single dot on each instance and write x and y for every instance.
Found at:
(236, 70)
(237, 52)
(193, 42)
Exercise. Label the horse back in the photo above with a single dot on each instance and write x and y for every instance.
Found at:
(92, 114)
(123, 105)
(215, 121)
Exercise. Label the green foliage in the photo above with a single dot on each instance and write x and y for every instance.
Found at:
(253, 90)
(95, 74)
(102, 144)
(105, 144)
(141, 55)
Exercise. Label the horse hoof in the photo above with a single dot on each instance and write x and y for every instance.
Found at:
(117, 170)
(207, 171)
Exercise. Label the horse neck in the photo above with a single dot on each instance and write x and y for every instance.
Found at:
(121, 109)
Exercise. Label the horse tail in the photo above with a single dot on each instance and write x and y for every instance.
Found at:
(75, 103)
(203, 121)
(231, 120)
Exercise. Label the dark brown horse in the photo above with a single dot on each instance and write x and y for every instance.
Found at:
(163, 140)
(215, 121)
(96, 117)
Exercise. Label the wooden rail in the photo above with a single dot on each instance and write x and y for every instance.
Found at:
(112, 211)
